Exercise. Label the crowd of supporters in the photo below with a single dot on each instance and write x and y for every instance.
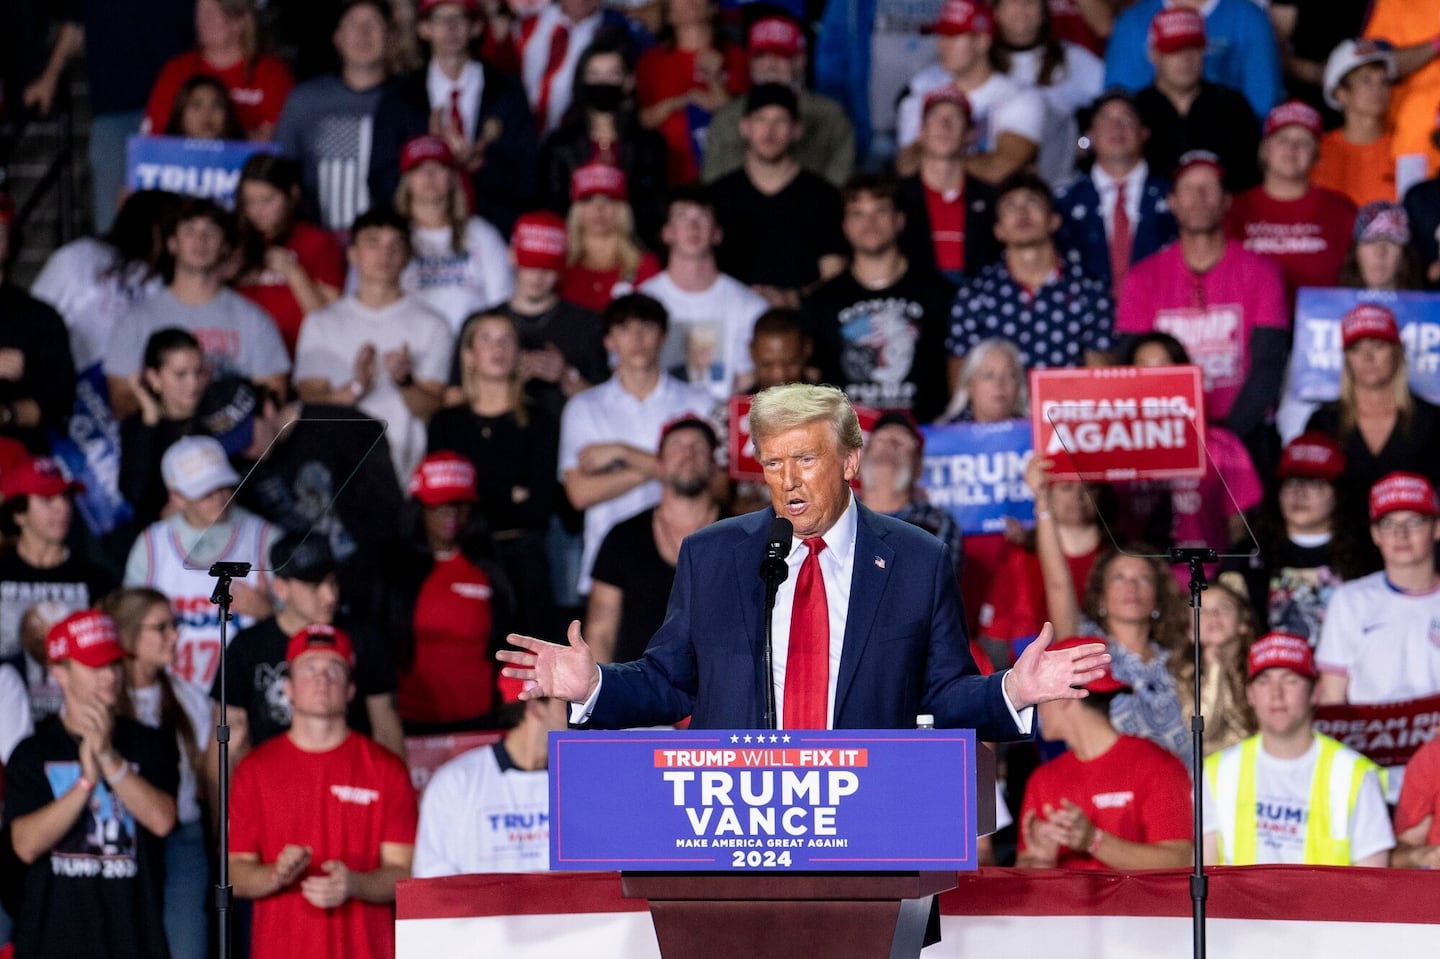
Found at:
(456, 362)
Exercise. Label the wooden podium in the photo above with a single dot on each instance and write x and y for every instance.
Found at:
(843, 915)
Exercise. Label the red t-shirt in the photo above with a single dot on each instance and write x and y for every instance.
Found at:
(1014, 608)
(1307, 238)
(258, 91)
(1134, 790)
(343, 804)
(323, 258)
(663, 73)
(452, 676)
(947, 229)
(594, 289)
(1420, 793)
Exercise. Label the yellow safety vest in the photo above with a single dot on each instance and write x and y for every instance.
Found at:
(1333, 791)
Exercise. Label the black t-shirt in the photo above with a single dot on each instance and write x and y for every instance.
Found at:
(332, 454)
(1290, 589)
(1220, 120)
(885, 348)
(515, 467)
(255, 670)
(574, 332)
(630, 561)
(98, 892)
(777, 240)
(74, 585)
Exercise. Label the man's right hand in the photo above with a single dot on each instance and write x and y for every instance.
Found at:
(550, 670)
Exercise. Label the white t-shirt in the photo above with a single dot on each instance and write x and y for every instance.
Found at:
(709, 340)
(457, 284)
(535, 57)
(1282, 810)
(197, 709)
(999, 105)
(76, 281)
(1385, 641)
(237, 336)
(1073, 86)
(331, 337)
(476, 817)
(608, 414)
(16, 722)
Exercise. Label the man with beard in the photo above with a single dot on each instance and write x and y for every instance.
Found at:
(878, 326)
(889, 473)
(636, 563)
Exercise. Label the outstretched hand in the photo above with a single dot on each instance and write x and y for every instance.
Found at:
(1042, 674)
(550, 670)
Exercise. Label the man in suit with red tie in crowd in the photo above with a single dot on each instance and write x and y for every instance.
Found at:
(895, 649)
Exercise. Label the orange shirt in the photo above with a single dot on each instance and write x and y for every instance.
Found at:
(1363, 172)
(1412, 105)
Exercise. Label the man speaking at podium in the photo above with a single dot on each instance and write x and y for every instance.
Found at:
(867, 626)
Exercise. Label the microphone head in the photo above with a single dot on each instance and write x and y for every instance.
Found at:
(778, 539)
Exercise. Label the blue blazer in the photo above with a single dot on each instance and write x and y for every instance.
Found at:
(1081, 236)
(905, 649)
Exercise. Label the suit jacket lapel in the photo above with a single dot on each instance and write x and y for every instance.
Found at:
(874, 561)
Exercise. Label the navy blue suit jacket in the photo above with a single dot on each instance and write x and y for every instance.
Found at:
(905, 650)
(1082, 229)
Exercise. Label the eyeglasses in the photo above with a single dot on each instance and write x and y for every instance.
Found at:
(1391, 525)
(164, 626)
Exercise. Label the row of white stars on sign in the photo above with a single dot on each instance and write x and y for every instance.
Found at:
(760, 738)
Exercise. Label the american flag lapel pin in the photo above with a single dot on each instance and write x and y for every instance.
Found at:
(879, 563)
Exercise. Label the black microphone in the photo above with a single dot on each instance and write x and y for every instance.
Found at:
(777, 547)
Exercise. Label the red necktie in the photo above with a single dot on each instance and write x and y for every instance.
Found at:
(1121, 242)
(559, 46)
(807, 663)
(456, 120)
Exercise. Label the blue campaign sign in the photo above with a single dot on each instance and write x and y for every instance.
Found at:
(796, 800)
(1316, 355)
(208, 168)
(977, 472)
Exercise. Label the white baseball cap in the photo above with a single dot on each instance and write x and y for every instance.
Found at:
(1350, 54)
(196, 466)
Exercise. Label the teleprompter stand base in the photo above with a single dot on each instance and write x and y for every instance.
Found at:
(843, 915)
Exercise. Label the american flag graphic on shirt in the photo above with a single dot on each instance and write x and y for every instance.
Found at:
(341, 145)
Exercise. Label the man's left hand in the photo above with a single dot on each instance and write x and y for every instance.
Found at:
(1040, 674)
(329, 890)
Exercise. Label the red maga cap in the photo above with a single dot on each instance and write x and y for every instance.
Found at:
(539, 241)
(1311, 455)
(1177, 28)
(598, 179)
(423, 150)
(959, 17)
(36, 476)
(320, 638)
(1368, 321)
(1294, 113)
(88, 637)
(444, 477)
(1402, 491)
(1282, 650)
(949, 93)
(778, 35)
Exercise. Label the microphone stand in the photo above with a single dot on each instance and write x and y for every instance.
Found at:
(224, 892)
(773, 571)
(1196, 559)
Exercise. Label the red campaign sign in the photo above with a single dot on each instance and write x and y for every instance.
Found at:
(1388, 733)
(1120, 422)
(428, 753)
(744, 467)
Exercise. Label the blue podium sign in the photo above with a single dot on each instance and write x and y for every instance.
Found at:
(787, 800)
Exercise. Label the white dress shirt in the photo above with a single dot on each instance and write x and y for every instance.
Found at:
(471, 85)
(837, 564)
(1106, 188)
